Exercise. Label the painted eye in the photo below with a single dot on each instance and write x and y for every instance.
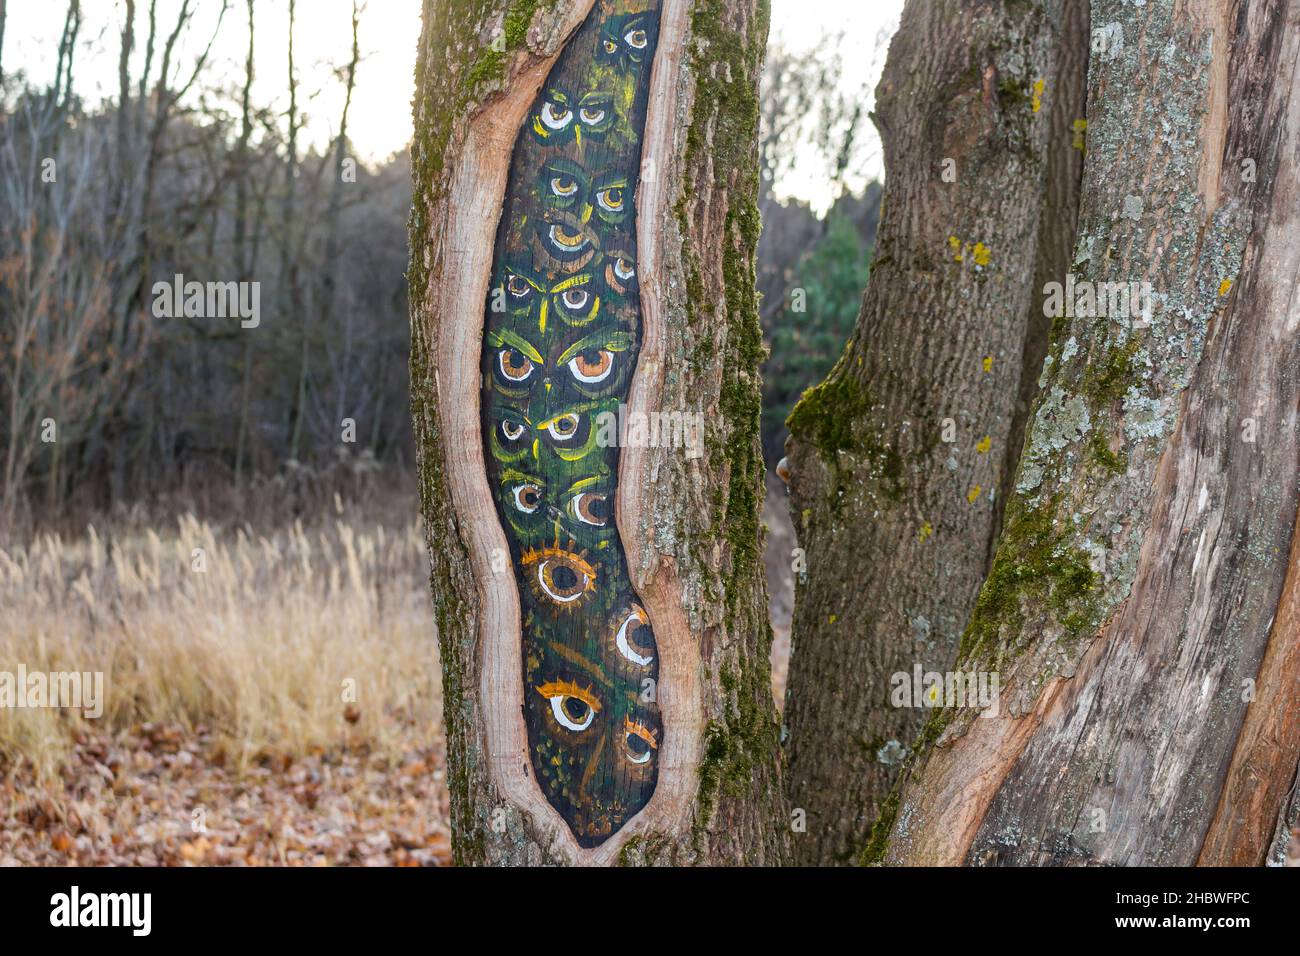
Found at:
(633, 638)
(636, 39)
(573, 707)
(575, 299)
(566, 239)
(592, 365)
(555, 117)
(564, 427)
(527, 497)
(610, 199)
(517, 286)
(639, 740)
(515, 365)
(512, 430)
(624, 268)
(590, 508)
(564, 186)
(591, 116)
(611, 46)
(561, 577)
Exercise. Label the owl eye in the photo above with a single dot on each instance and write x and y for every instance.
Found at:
(592, 365)
(573, 707)
(575, 299)
(590, 508)
(636, 39)
(555, 117)
(566, 239)
(564, 186)
(512, 430)
(611, 46)
(633, 638)
(610, 199)
(515, 365)
(527, 497)
(639, 740)
(591, 116)
(517, 286)
(564, 427)
(624, 268)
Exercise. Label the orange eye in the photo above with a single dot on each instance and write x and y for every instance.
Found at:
(515, 365)
(527, 498)
(639, 740)
(591, 116)
(592, 365)
(560, 577)
(573, 707)
(590, 508)
(637, 39)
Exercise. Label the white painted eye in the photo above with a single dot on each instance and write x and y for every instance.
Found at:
(528, 497)
(591, 116)
(564, 186)
(636, 620)
(575, 299)
(567, 240)
(564, 427)
(571, 712)
(517, 287)
(592, 365)
(590, 508)
(636, 39)
(555, 117)
(624, 268)
(611, 200)
(512, 430)
(515, 365)
(638, 741)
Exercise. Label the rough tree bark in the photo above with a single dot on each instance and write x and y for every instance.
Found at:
(689, 527)
(897, 461)
(1145, 588)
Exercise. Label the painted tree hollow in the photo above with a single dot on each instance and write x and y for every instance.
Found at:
(560, 344)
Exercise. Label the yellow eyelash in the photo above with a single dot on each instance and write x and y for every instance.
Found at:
(641, 730)
(567, 688)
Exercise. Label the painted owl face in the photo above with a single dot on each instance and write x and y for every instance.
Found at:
(540, 435)
(540, 510)
(604, 294)
(565, 186)
(626, 41)
(563, 115)
(587, 363)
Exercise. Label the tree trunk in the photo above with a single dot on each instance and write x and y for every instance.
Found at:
(687, 525)
(896, 461)
(1139, 611)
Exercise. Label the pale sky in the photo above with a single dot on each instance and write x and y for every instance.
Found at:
(380, 120)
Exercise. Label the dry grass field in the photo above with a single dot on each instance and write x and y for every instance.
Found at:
(271, 694)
